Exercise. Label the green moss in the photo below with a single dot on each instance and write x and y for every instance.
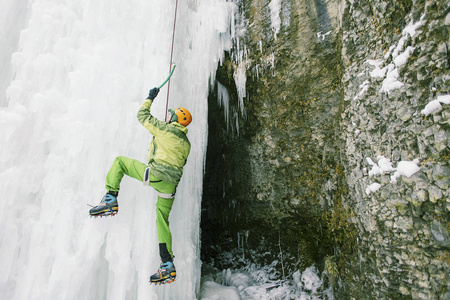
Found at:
(340, 233)
(332, 270)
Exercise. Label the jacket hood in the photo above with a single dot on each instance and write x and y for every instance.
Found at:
(180, 127)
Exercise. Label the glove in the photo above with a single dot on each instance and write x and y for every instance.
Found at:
(153, 93)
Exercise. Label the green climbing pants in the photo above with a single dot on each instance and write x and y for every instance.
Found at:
(133, 168)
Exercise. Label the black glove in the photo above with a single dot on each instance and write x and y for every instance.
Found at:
(153, 93)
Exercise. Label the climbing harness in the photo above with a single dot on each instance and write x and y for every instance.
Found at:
(171, 69)
(146, 180)
(166, 196)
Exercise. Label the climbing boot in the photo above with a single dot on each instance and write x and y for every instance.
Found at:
(166, 274)
(107, 207)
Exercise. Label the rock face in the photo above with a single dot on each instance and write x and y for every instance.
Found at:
(329, 144)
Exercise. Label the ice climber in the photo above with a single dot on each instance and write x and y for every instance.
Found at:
(167, 156)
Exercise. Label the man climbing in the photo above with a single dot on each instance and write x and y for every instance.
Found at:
(167, 156)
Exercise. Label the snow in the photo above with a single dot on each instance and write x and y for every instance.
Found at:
(391, 81)
(74, 74)
(411, 28)
(401, 59)
(405, 168)
(390, 73)
(389, 52)
(321, 36)
(373, 188)
(384, 165)
(214, 291)
(364, 87)
(435, 105)
(309, 280)
(377, 72)
(254, 284)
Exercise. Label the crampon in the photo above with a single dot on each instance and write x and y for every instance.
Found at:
(163, 281)
(165, 274)
(107, 212)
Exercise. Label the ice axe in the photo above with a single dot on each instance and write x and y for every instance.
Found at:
(168, 77)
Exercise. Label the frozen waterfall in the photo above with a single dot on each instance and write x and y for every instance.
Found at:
(73, 75)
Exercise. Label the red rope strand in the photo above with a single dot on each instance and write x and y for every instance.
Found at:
(171, 56)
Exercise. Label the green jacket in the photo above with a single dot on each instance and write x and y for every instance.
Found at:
(170, 146)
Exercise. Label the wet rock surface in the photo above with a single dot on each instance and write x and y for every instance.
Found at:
(329, 145)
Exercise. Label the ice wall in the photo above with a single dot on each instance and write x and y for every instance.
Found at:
(78, 72)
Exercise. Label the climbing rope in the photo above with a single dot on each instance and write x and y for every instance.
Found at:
(171, 69)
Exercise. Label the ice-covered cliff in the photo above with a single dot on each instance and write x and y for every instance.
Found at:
(73, 75)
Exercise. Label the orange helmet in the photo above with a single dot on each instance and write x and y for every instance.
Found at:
(181, 115)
